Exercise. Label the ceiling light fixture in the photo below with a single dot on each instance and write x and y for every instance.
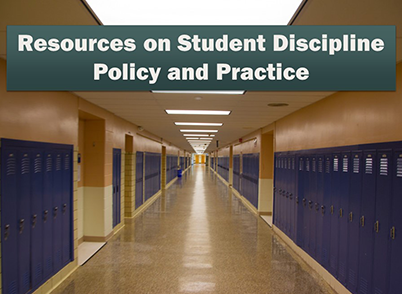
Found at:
(195, 135)
(199, 131)
(232, 92)
(212, 135)
(198, 124)
(278, 104)
(198, 112)
(192, 138)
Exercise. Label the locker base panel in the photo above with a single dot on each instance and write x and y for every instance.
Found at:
(171, 182)
(118, 227)
(222, 179)
(267, 219)
(245, 202)
(147, 203)
(325, 275)
(88, 249)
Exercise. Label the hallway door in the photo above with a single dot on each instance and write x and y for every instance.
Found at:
(116, 186)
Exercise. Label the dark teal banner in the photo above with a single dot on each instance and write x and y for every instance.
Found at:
(255, 58)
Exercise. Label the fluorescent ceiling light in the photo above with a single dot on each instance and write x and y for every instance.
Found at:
(195, 135)
(199, 131)
(208, 139)
(232, 92)
(198, 124)
(212, 135)
(192, 138)
(198, 112)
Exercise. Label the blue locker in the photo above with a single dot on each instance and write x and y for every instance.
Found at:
(325, 212)
(343, 218)
(299, 201)
(275, 201)
(56, 211)
(367, 219)
(35, 221)
(306, 208)
(353, 219)
(10, 226)
(396, 226)
(292, 194)
(66, 208)
(116, 179)
(334, 211)
(382, 222)
(139, 179)
(311, 206)
(46, 215)
(286, 195)
(319, 198)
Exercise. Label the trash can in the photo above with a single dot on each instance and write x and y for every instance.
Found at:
(179, 173)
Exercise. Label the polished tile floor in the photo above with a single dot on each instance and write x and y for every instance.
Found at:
(196, 238)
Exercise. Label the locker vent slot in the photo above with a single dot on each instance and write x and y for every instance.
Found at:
(363, 286)
(67, 162)
(25, 166)
(369, 166)
(285, 164)
(377, 291)
(293, 163)
(49, 264)
(301, 165)
(327, 167)
(314, 166)
(399, 167)
(336, 164)
(345, 164)
(49, 164)
(307, 165)
(58, 163)
(320, 166)
(342, 269)
(356, 165)
(11, 166)
(38, 272)
(289, 163)
(26, 280)
(352, 277)
(38, 165)
(384, 166)
(12, 288)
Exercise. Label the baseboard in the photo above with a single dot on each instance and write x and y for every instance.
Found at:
(246, 203)
(222, 179)
(171, 183)
(269, 213)
(321, 271)
(80, 240)
(99, 238)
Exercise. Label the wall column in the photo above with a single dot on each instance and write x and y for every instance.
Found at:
(265, 186)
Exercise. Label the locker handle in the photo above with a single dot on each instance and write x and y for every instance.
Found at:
(322, 209)
(341, 212)
(304, 201)
(287, 194)
(6, 232)
(317, 207)
(350, 216)
(55, 211)
(291, 196)
(377, 226)
(22, 224)
(34, 217)
(64, 208)
(45, 213)
(310, 204)
(393, 233)
(362, 221)
(332, 209)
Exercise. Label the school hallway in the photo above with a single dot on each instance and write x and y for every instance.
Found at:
(197, 237)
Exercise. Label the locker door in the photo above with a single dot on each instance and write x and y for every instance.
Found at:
(353, 219)
(9, 220)
(382, 222)
(396, 226)
(23, 218)
(116, 186)
(343, 218)
(46, 215)
(275, 212)
(67, 209)
(35, 221)
(325, 212)
(317, 206)
(292, 198)
(286, 198)
(306, 216)
(311, 206)
(299, 202)
(334, 211)
(139, 179)
(367, 219)
(56, 211)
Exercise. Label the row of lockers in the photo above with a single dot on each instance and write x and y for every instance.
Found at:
(37, 212)
(171, 167)
(223, 167)
(341, 205)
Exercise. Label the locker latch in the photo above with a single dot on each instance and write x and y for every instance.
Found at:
(310, 204)
(22, 222)
(317, 207)
(377, 226)
(45, 213)
(350, 216)
(34, 217)
(362, 221)
(55, 211)
(291, 196)
(332, 209)
(393, 233)
(64, 208)
(6, 232)
(304, 201)
(287, 194)
(322, 209)
(341, 212)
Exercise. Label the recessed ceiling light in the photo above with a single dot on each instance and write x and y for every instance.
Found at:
(198, 112)
(233, 92)
(278, 104)
(195, 135)
(192, 138)
(212, 135)
(198, 124)
(199, 131)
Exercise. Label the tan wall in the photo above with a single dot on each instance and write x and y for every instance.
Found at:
(344, 118)
(249, 145)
